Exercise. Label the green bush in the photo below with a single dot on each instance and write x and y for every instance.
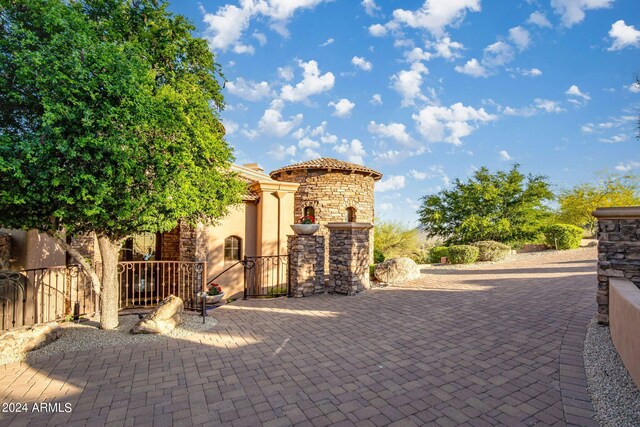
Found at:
(378, 256)
(563, 236)
(436, 253)
(462, 254)
(394, 239)
(489, 250)
(372, 270)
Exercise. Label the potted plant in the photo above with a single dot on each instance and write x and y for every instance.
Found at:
(307, 225)
(213, 294)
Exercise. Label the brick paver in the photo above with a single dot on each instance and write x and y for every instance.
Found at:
(495, 344)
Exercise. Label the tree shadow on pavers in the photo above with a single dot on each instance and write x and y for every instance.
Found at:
(586, 268)
(392, 353)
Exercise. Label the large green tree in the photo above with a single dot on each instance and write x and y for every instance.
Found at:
(108, 125)
(577, 204)
(505, 206)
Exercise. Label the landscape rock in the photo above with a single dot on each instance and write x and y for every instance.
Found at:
(163, 319)
(27, 338)
(397, 270)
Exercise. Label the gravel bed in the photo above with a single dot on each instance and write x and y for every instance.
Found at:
(87, 336)
(615, 397)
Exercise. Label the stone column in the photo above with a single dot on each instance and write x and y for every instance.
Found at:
(618, 251)
(5, 251)
(349, 257)
(306, 264)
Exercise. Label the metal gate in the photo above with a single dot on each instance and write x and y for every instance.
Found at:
(266, 276)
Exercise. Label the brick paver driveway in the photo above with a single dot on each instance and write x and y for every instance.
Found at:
(497, 344)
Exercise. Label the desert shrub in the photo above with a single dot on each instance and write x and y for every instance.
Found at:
(563, 236)
(436, 253)
(462, 254)
(372, 269)
(421, 255)
(394, 239)
(489, 250)
(378, 256)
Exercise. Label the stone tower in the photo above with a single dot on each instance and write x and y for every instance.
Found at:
(332, 191)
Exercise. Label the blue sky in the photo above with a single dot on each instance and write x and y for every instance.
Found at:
(427, 91)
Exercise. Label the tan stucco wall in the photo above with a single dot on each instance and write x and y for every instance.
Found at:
(30, 249)
(624, 321)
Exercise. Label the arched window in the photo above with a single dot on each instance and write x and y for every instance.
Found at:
(351, 214)
(309, 210)
(232, 245)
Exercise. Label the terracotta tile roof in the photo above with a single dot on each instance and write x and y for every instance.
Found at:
(327, 163)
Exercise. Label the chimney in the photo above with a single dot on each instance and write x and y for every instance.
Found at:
(253, 166)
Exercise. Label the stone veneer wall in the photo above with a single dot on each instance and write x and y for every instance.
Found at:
(618, 251)
(349, 246)
(184, 243)
(330, 194)
(5, 251)
(306, 265)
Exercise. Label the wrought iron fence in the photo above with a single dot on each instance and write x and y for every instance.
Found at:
(147, 283)
(266, 276)
(40, 295)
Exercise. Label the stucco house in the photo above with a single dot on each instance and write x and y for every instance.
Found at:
(330, 190)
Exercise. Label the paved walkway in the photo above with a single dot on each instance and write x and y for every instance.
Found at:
(497, 344)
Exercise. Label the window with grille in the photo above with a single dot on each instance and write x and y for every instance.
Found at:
(232, 246)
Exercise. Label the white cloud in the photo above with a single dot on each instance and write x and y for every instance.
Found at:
(342, 108)
(627, 167)
(377, 30)
(280, 152)
(435, 15)
(309, 154)
(539, 19)
(249, 90)
(354, 151)
(361, 63)
(376, 99)
(574, 91)
(520, 37)
(395, 131)
(386, 206)
(394, 182)
(588, 128)
(272, 123)
(370, 7)
(472, 68)
(312, 83)
(408, 83)
(497, 54)
(450, 124)
(285, 73)
(417, 54)
(573, 11)
(308, 143)
(420, 176)
(548, 105)
(262, 39)
(533, 72)
(621, 137)
(504, 155)
(446, 48)
(634, 87)
(327, 43)
(623, 36)
(230, 127)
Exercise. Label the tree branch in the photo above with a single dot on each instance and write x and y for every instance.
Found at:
(87, 267)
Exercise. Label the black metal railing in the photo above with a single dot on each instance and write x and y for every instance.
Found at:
(41, 295)
(266, 276)
(146, 283)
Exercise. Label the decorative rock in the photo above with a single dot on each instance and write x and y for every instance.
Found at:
(163, 319)
(27, 338)
(397, 270)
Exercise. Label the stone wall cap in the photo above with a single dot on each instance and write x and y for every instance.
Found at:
(349, 226)
(617, 213)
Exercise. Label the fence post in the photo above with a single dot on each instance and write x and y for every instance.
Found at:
(245, 277)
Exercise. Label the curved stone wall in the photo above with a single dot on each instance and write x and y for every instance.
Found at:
(330, 193)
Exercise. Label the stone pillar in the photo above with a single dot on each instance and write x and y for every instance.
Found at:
(618, 251)
(349, 257)
(5, 251)
(306, 265)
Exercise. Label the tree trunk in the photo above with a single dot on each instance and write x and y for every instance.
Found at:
(109, 297)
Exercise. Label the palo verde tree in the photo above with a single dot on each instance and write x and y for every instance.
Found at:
(108, 125)
(506, 207)
(577, 204)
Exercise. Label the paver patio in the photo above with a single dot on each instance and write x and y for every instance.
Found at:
(497, 344)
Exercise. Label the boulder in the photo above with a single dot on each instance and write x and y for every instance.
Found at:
(27, 338)
(397, 270)
(163, 319)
